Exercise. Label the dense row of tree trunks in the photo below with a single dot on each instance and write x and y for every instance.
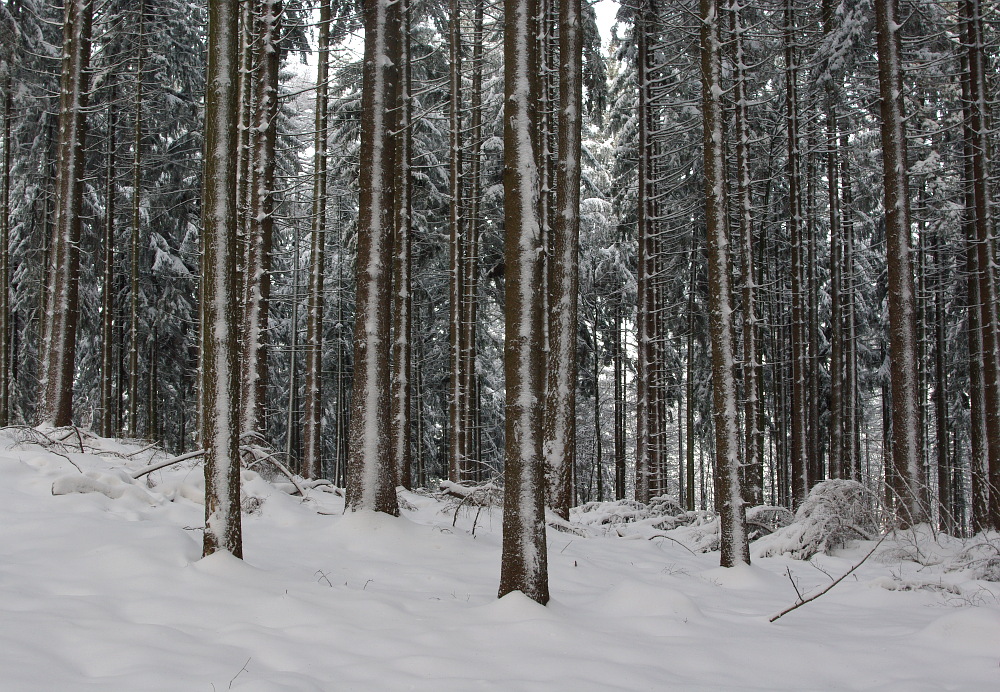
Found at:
(976, 131)
(219, 363)
(907, 467)
(371, 482)
(524, 559)
(62, 294)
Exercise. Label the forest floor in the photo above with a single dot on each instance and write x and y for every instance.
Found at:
(102, 588)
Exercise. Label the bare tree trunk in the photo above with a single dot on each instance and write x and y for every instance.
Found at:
(106, 426)
(260, 218)
(644, 314)
(134, 242)
(244, 125)
(908, 470)
(470, 272)
(62, 305)
(947, 521)
(753, 465)
(371, 481)
(619, 366)
(800, 460)
(402, 350)
(560, 410)
(219, 366)
(524, 561)
(689, 394)
(729, 500)
(313, 404)
(458, 463)
(5, 311)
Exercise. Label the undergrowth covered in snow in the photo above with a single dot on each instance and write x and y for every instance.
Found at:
(102, 586)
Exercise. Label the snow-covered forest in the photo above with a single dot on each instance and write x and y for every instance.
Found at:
(721, 275)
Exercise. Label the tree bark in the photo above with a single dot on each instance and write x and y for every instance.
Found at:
(313, 403)
(560, 410)
(753, 465)
(5, 311)
(906, 460)
(800, 459)
(219, 366)
(62, 305)
(729, 500)
(458, 462)
(371, 481)
(134, 241)
(402, 361)
(106, 426)
(524, 561)
(260, 217)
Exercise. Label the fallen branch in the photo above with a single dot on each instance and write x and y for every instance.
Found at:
(802, 601)
(288, 473)
(252, 450)
(168, 462)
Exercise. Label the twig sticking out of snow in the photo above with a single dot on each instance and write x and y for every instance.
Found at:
(802, 601)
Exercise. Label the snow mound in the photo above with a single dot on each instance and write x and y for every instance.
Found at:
(836, 511)
(629, 517)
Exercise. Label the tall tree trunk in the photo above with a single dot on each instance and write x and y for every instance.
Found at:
(524, 561)
(458, 462)
(313, 403)
(219, 366)
(371, 478)
(5, 311)
(263, 140)
(689, 394)
(947, 521)
(108, 286)
(849, 291)
(470, 271)
(619, 366)
(753, 465)
(560, 409)
(644, 314)
(729, 500)
(134, 242)
(906, 461)
(245, 108)
(800, 459)
(62, 305)
(402, 351)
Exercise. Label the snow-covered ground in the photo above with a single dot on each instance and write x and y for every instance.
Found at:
(104, 590)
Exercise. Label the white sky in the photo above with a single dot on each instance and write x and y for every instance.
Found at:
(606, 11)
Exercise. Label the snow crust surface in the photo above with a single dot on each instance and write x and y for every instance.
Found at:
(102, 587)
